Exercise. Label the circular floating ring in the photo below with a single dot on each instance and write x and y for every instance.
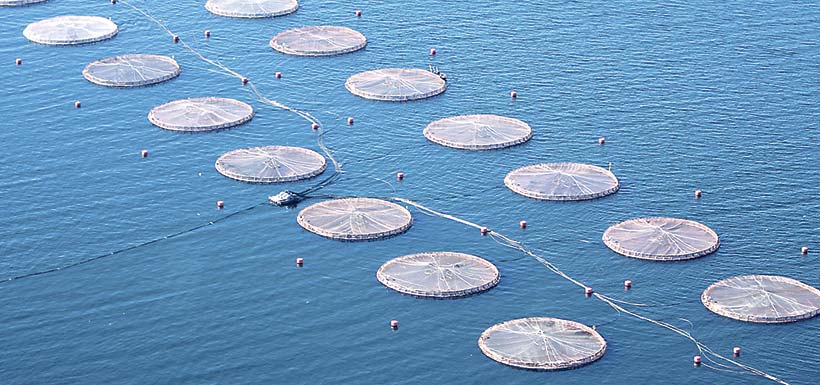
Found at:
(355, 219)
(71, 30)
(323, 40)
(201, 114)
(661, 239)
(562, 182)
(439, 275)
(396, 84)
(271, 164)
(133, 70)
(252, 9)
(542, 343)
(478, 132)
(762, 299)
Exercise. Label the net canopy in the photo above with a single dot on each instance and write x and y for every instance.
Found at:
(661, 239)
(323, 40)
(439, 275)
(68, 30)
(16, 3)
(542, 343)
(252, 9)
(200, 114)
(355, 219)
(131, 70)
(762, 298)
(478, 132)
(271, 164)
(396, 84)
(562, 181)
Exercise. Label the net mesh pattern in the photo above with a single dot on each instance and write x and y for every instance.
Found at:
(562, 181)
(131, 70)
(17, 3)
(271, 164)
(324, 40)
(355, 219)
(478, 132)
(396, 84)
(661, 239)
(763, 299)
(542, 343)
(69, 30)
(201, 114)
(439, 274)
(251, 9)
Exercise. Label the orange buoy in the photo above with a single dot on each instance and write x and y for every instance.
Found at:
(314, 126)
(736, 351)
(400, 176)
(300, 262)
(432, 52)
(804, 250)
(358, 13)
(394, 324)
(278, 75)
(18, 61)
(601, 140)
(220, 205)
(698, 194)
(628, 284)
(176, 38)
(513, 94)
(144, 153)
(350, 121)
(522, 224)
(77, 104)
(207, 33)
(697, 360)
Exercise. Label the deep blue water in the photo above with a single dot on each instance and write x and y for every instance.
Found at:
(718, 96)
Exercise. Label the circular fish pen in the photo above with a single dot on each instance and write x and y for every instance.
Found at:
(271, 164)
(661, 239)
(439, 275)
(542, 343)
(478, 132)
(323, 40)
(562, 182)
(134, 70)
(18, 3)
(355, 219)
(201, 114)
(71, 30)
(251, 9)
(762, 299)
(396, 84)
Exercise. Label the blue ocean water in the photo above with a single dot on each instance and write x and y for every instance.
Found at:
(718, 96)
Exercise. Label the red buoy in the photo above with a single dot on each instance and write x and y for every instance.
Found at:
(18, 61)
(697, 360)
(400, 176)
(522, 224)
(220, 205)
(244, 81)
(513, 94)
(804, 250)
(207, 33)
(350, 121)
(176, 38)
(144, 153)
(736, 351)
(601, 140)
(300, 262)
(358, 13)
(278, 75)
(314, 126)
(628, 284)
(432, 52)
(394, 324)
(77, 104)
(698, 194)
(485, 231)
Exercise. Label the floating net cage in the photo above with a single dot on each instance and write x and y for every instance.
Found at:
(478, 132)
(17, 3)
(763, 299)
(70, 30)
(661, 239)
(201, 114)
(355, 219)
(251, 9)
(323, 40)
(396, 84)
(439, 275)
(542, 343)
(562, 181)
(131, 70)
(271, 164)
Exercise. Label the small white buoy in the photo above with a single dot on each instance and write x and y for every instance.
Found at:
(485, 231)
(350, 121)
(144, 153)
(432, 52)
(314, 126)
(588, 291)
(400, 176)
(698, 194)
(513, 94)
(697, 360)
(300, 262)
(602, 141)
(628, 284)
(394, 324)
(736, 351)
(19, 61)
(176, 38)
(220, 205)
(77, 104)
(278, 75)
(207, 33)
(244, 81)
(522, 224)
(358, 13)
(804, 250)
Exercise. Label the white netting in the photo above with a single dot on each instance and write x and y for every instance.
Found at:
(68, 30)
(355, 219)
(396, 84)
(439, 275)
(661, 239)
(201, 114)
(562, 181)
(321, 40)
(542, 343)
(15, 3)
(271, 164)
(762, 298)
(478, 132)
(131, 70)
(251, 8)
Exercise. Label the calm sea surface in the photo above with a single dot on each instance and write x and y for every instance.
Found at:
(714, 95)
